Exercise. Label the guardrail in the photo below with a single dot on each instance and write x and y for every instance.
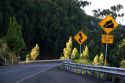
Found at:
(42, 61)
(80, 68)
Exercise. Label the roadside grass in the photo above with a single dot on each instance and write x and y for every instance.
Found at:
(83, 61)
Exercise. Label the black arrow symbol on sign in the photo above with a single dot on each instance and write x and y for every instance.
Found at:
(109, 24)
(80, 34)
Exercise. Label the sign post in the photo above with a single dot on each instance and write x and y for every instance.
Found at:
(105, 63)
(108, 24)
(107, 39)
(80, 37)
(80, 50)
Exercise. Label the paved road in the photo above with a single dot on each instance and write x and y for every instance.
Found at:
(22, 72)
(43, 73)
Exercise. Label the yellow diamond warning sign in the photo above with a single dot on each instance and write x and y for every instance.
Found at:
(80, 37)
(107, 39)
(108, 24)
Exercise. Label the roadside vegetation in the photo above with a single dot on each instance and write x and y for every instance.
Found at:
(49, 24)
(84, 57)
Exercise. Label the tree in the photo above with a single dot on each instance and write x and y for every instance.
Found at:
(33, 54)
(75, 54)
(67, 50)
(101, 59)
(112, 11)
(122, 64)
(118, 53)
(50, 28)
(85, 53)
(14, 36)
(27, 58)
(6, 55)
(96, 60)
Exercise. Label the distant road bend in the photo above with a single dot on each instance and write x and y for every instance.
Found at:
(43, 73)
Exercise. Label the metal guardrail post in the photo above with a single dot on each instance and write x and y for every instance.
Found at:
(68, 68)
(85, 71)
(123, 80)
(77, 70)
(74, 70)
(113, 78)
(105, 76)
(64, 66)
(98, 74)
(80, 71)
(92, 73)
(71, 69)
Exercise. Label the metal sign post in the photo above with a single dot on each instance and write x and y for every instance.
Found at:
(105, 63)
(107, 39)
(108, 24)
(80, 50)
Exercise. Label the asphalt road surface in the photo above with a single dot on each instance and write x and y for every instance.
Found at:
(43, 73)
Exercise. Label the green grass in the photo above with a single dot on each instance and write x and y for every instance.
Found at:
(83, 61)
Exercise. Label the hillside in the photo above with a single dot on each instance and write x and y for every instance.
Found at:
(49, 23)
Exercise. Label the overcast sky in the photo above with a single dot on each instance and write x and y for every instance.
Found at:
(105, 4)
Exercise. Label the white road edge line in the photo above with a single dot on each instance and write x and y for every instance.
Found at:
(34, 74)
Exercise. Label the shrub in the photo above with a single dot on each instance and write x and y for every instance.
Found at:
(75, 54)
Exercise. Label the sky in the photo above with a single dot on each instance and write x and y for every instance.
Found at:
(105, 4)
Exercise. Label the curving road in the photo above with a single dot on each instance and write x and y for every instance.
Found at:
(43, 73)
